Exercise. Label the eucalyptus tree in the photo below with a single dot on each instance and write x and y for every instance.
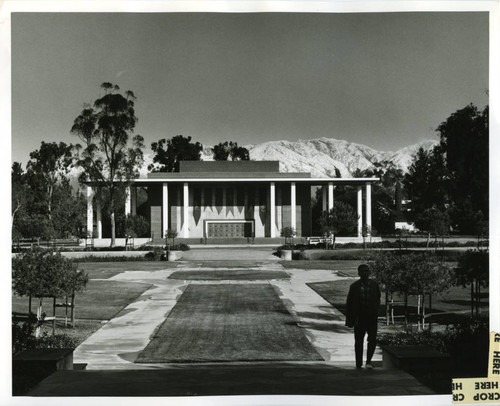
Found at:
(111, 155)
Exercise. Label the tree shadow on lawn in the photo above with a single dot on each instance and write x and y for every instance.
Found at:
(101, 300)
(456, 300)
(319, 316)
(105, 270)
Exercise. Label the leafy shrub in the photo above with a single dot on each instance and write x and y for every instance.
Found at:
(466, 340)
(44, 273)
(156, 254)
(23, 338)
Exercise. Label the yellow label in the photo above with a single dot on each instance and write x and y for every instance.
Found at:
(494, 360)
(481, 390)
(476, 390)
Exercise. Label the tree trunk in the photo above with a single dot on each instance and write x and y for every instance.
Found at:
(38, 318)
(387, 307)
(428, 240)
(472, 298)
(113, 229)
(406, 308)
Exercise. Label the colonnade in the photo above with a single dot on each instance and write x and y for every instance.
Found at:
(327, 204)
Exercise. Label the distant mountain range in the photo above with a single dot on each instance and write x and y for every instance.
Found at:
(321, 157)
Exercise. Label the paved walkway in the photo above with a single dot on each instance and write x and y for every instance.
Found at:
(117, 344)
(110, 352)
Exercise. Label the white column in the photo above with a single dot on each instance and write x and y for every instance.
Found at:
(98, 217)
(186, 210)
(324, 198)
(360, 211)
(90, 212)
(133, 198)
(330, 195)
(256, 208)
(178, 211)
(293, 204)
(272, 209)
(368, 206)
(164, 210)
(128, 202)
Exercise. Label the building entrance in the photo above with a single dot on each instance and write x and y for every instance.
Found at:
(223, 229)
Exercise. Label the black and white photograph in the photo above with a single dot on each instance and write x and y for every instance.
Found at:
(249, 203)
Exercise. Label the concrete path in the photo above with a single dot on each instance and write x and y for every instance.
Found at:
(110, 352)
(117, 344)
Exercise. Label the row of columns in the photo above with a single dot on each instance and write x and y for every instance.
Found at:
(130, 208)
(327, 194)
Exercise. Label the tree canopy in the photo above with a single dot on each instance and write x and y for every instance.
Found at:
(43, 273)
(169, 153)
(224, 151)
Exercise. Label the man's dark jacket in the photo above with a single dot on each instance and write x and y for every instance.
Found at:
(354, 307)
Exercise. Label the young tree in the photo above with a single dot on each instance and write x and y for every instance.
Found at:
(178, 148)
(473, 270)
(412, 274)
(43, 273)
(107, 157)
(339, 220)
(288, 233)
(229, 149)
(433, 222)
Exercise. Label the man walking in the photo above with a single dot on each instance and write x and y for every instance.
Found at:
(363, 301)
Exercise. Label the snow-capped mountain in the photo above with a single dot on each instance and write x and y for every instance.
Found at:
(322, 157)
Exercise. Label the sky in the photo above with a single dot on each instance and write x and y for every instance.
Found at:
(386, 80)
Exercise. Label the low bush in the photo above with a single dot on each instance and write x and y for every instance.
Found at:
(23, 338)
(466, 340)
(156, 254)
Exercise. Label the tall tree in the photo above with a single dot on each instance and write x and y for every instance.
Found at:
(48, 167)
(426, 181)
(224, 151)
(108, 156)
(464, 145)
(169, 152)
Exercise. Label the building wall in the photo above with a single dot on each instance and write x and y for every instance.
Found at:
(230, 202)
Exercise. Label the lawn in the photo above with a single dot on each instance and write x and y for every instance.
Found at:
(456, 299)
(101, 300)
(236, 275)
(229, 322)
(105, 270)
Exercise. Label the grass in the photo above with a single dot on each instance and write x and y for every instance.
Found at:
(236, 275)
(229, 322)
(101, 300)
(455, 300)
(100, 270)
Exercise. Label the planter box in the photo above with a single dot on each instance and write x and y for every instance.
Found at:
(174, 255)
(414, 358)
(286, 255)
(32, 366)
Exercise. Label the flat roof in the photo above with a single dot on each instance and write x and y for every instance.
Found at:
(315, 181)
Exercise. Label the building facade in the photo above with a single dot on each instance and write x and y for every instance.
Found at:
(225, 199)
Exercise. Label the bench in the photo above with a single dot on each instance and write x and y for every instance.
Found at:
(414, 358)
(319, 240)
